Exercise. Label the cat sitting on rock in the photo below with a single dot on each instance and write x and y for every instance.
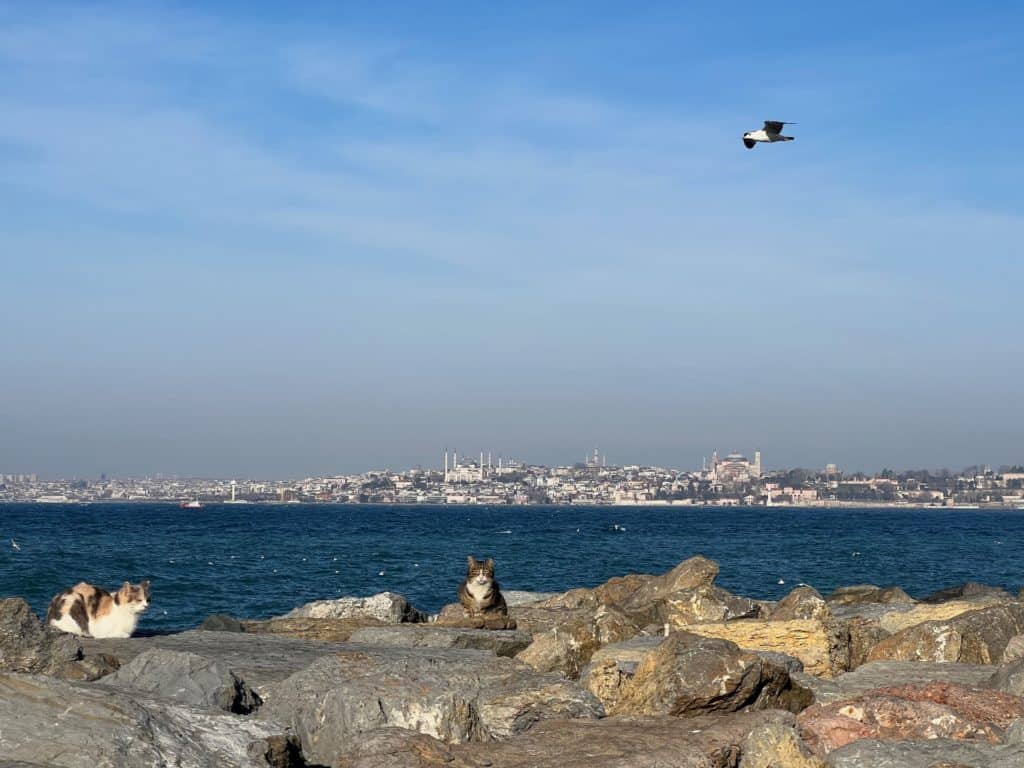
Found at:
(479, 593)
(88, 610)
(481, 604)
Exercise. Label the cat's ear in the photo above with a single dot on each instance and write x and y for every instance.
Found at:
(127, 585)
(470, 561)
(490, 563)
(145, 585)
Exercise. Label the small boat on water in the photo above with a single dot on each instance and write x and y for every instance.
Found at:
(194, 504)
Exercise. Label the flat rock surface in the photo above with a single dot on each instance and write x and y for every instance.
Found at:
(260, 660)
(939, 753)
(499, 642)
(56, 723)
(453, 695)
(880, 674)
(705, 742)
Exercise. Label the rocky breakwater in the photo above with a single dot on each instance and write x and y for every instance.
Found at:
(643, 670)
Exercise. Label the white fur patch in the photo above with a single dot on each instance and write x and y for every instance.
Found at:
(66, 624)
(120, 621)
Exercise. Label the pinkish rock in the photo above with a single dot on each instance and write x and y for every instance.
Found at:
(911, 712)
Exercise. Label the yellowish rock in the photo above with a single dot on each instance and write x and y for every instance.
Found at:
(896, 621)
(809, 640)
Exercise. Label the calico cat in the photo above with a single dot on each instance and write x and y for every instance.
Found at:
(85, 609)
(479, 593)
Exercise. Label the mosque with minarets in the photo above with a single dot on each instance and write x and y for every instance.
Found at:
(734, 468)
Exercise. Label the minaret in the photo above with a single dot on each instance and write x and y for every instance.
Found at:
(446, 465)
(757, 464)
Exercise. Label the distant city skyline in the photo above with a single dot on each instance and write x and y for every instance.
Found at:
(243, 241)
(491, 459)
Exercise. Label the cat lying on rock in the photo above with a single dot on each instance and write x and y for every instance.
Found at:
(85, 609)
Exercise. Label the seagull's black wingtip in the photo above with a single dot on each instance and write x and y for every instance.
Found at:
(749, 143)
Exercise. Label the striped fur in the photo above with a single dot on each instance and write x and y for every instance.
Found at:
(479, 592)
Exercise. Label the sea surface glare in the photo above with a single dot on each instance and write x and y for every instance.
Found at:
(256, 561)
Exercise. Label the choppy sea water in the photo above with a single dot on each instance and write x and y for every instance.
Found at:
(256, 561)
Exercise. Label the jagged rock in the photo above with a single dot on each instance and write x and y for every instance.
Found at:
(517, 597)
(801, 603)
(27, 645)
(789, 663)
(567, 648)
(911, 712)
(186, 678)
(500, 642)
(90, 668)
(453, 695)
(638, 591)
(221, 622)
(328, 630)
(57, 723)
(879, 674)
(260, 660)
(867, 593)
(864, 634)
(612, 666)
(776, 745)
(822, 647)
(687, 675)
(386, 607)
(392, 747)
(970, 590)
(938, 753)
(703, 604)
(975, 637)
(1009, 678)
(705, 742)
(1014, 649)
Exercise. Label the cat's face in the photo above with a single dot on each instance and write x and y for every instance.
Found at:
(479, 571)
(134, 596)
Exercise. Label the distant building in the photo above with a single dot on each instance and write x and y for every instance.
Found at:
(735, 468)
(466, 471)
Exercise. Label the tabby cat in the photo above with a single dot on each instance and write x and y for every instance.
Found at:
(479, 593)
(89, 610)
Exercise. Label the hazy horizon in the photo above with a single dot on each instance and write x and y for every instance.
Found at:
(243, 240)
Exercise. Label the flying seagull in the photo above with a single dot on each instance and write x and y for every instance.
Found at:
(15, 545)
(770, 133)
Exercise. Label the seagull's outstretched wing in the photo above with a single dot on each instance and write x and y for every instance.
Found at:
(775, 126)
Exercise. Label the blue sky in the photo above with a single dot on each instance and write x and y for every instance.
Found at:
(239, 239)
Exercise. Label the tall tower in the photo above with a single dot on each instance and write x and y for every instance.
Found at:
(446, 465)
(757, 464)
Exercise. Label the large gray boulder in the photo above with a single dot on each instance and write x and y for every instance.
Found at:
(260, 660)
(27, 645)
(970, 590)
(1009, 678)
(499, 642)
(688, 675)
(975, 637)
(186, 678)
(52, 722)
(386, 607)
(801, 603)
(453, 695)
(776, 744)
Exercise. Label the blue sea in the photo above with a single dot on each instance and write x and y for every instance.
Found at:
(257, 561)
